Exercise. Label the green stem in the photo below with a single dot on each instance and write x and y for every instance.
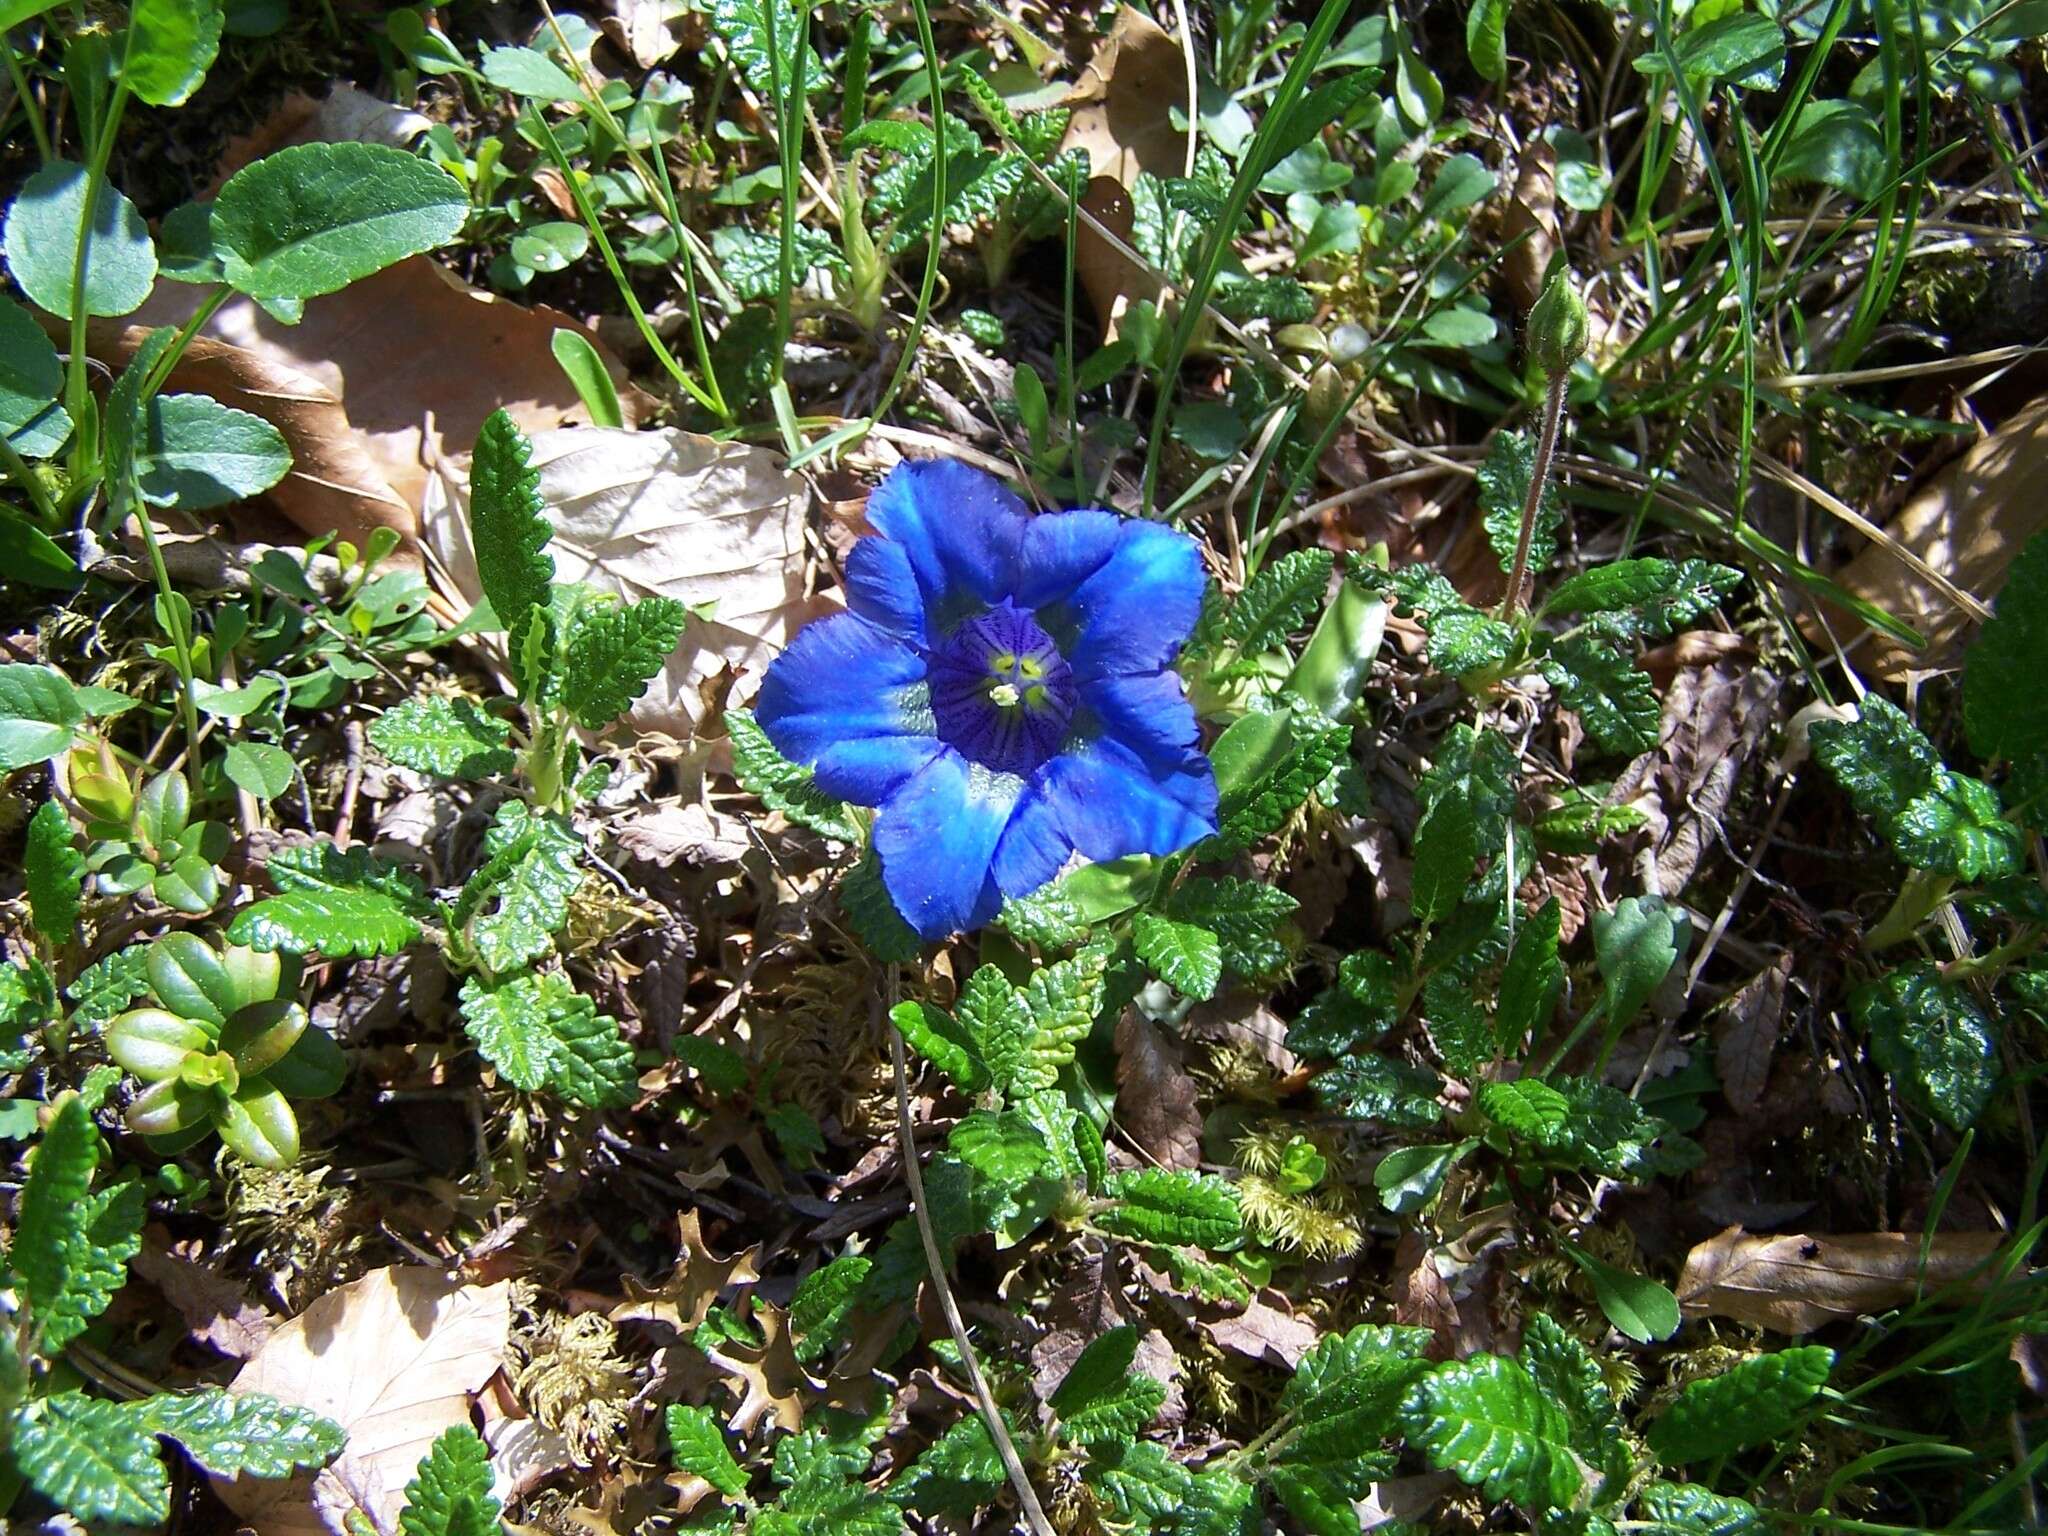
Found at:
(1539, 477)
(85, 448)
(44, 151)
(19, 471)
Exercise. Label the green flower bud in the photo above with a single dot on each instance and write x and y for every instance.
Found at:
(1557, 325)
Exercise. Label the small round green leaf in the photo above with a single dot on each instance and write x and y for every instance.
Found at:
(1637, 1305)
(171, 45)
(257, 1123)
(314, 218)
(41, 242)
(31, 379)
(263, 770)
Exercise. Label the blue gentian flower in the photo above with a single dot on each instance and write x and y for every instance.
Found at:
(1002, 688)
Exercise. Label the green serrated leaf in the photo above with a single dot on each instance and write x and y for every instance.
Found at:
(1278, 601)
(450, 1494)
(763, 37)
(1637, 942)
(450, 737)
(1929, 1034)
(615, 650)
(1048, 918)
(1062, 1001)
(1461, 638)
(2005, 709)
(1751, 1403)
(334, 923)
(110, 984)
(1467, 796)
(230, 1434)
(1003, 1147)
(1360, 1008)
(1185, 957)
(1346, 1392)
(696, 1444)
(53, 870)
(1958, 828)
(1566, 1370)
(1168, 1206)
(1686, 1509)
(1504, 477)
(510, 529)
(1611, 695)
(957, 1474)
(1487, 1421)
(1532, 982)
(1655, 597)
(1458, 1025)
(782, 785)
(97, 1460)
(533, 869)
(47, 1252)
(1529, 1108)
(939, 1038)
(1374, 1087)
(869, 908)
(1244, 915)
(1880, 757)
(823, 1302)
(1101, 1398)
(1284, 757)
(540, 1032)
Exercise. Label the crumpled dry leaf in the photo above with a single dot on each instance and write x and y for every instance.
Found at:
(412, 358)
(1156, 1100)
(772, 1380)
(217, 1310)
(1265, 1332)
(1422, 1299)
(394, 1358)
(718, 526)
(684, 831)
(1746, 1034)
(684, 1300)
(1797, 1283)
(1968, 523)
(1123, 117)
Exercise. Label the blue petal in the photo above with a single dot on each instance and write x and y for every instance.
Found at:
(938, 836)
(1111, 804)
(1060, 551)
(850, 701)
(882, 588)
(960, 528)
(1033, 846)
(1148, 712)
(1135, 611)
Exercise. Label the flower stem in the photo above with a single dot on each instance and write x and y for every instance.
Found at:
(1539, 477)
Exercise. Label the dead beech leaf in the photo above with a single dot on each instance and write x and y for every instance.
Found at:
(1797, 1283)
(718, 526)
(1155, 1099)
(648, 30)
(1968, 523)
(1123, 108)
(686, 832)
(684, 1300)
(1265, 1333)
(415, 357)
(217, 1310)
(344, 115)
(1746, 1034)
(394, 1358)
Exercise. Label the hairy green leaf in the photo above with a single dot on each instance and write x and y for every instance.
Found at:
(696, 1443)
(1755, 1401)
(1102, 1398)
(1360, 1008)
(50, 1255)
(532, 870)
(1532, 982)
(1611, 695)
(1062, 1001)
(1467, 796)
(1461, 638)
(763, 37)
(1278, 601)
(1880, 757)
(230, 1434)
(1929, 1034)
(1652, 597)
(2005, 708)
(450, 1494)
(97, 1460)
(1486, 1420)
(540, 1032)
(1184, 956)
(1267, 766)
(334, 923)
(1567, 1372)
(1165, 1205)
(823, 1302)
(866, 902)
(1245, 917)
(782, 785)
(1504, 476)
(615, 650)
(957, 1474)
(1687, 1509)
(1375, 1087)
(510, 530)
(450, 737)
(53, 870)
(1957, 828)
(1346, 1392)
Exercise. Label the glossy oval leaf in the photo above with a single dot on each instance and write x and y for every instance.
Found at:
(41, 241)
(171, 45)
(314, 218)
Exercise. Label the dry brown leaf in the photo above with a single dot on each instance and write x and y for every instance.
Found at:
(1266, 1333)
(1123, 108)
(1422, 1298)
(684, 1300)
(416, 358)
(1967, 523)
(1746, 1034)
(1156, 1099)
(217, 1310)
(647, 30)
(344, 115)
(715, 525)
(683, 831)
(772, 1380)
(1797, 1283)
(394, 1358)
